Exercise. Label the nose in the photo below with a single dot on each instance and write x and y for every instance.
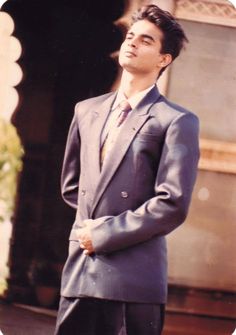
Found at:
(133, 42)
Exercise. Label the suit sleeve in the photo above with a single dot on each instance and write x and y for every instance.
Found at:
(173, 188)
(71, 165)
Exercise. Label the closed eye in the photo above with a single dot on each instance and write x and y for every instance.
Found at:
(146, 42)
(129, 36)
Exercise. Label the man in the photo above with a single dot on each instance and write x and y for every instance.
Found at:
(130, 176)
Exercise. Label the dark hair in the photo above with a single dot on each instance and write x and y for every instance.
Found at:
(174, 37)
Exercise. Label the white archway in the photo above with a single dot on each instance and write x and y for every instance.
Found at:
(10, 76)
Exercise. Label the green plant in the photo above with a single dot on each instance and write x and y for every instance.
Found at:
(11, 153)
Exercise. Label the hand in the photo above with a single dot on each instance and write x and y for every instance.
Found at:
(85, 240)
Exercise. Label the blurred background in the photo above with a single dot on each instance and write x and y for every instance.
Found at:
(55, 53)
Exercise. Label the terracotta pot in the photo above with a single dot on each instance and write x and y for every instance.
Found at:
(46, 296)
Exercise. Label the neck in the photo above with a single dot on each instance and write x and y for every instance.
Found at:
(133, 83)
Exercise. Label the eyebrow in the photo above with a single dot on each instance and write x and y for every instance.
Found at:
(142, 35)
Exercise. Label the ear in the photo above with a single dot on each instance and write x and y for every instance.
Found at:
(164, 60)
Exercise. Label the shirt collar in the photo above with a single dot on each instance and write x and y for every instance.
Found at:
(134, 100)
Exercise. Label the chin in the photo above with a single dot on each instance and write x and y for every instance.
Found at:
(126, 62)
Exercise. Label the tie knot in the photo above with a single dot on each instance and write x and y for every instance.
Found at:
(124, 106)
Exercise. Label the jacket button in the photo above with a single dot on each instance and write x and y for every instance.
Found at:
(83, 192)
(124, 194)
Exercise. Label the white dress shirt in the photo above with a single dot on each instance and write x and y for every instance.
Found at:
(114, 114)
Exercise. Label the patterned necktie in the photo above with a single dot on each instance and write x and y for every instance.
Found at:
(123, 110)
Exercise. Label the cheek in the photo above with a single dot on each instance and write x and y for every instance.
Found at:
(153, 59)
(149, 58)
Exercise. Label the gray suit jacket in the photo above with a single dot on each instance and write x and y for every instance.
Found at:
(141, 194)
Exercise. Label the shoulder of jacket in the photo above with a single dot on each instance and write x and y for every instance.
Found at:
(84, 107)
(171, 110)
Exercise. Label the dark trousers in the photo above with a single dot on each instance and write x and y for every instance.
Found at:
(90, 316)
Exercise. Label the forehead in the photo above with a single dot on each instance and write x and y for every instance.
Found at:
(145, 27)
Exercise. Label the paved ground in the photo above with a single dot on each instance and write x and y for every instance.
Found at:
(16, 320)
(23, 320)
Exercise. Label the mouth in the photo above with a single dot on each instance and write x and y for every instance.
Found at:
(130, 54)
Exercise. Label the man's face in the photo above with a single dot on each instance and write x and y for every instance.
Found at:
(140, 51)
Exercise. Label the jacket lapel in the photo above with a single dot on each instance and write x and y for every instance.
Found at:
(99, 119)
(130, 128)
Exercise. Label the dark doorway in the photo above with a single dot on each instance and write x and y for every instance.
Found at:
(66, 58)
